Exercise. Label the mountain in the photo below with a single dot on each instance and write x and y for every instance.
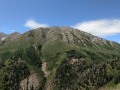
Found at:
(6, 38)
(58, 58)
(2, 36)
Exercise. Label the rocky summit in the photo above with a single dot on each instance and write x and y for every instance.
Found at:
(58, 58)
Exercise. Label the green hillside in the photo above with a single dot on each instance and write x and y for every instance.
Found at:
(59, 58)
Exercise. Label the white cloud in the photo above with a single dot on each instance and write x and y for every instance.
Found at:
(31, 23)
(102, 28)
(13, 30)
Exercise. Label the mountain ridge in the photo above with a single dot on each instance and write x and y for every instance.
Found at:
(54, 27)
(58, 29)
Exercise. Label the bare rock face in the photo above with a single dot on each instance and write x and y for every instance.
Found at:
(69, 35)
(30, 83)
(14, 36)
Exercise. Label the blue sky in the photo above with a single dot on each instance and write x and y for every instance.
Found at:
(99, 17)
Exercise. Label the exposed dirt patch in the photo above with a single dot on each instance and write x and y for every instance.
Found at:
(44, 69)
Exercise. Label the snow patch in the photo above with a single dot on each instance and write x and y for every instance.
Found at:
(3, 38)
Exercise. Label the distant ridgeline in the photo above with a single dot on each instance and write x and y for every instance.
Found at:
(58, 58)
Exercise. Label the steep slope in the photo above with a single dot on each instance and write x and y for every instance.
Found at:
(64, 34)
(58, 58)
(69, 35)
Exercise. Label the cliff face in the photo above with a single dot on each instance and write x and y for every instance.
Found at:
(32, 82)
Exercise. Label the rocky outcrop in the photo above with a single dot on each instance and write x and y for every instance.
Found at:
(30, 83)
(7, 38)
(69, 35)
(44, 69)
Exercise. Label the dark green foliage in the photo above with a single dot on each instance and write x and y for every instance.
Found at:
(12, 73)
(40, 47)
(75, 54)
(31, 37)
(77, 72)
(32, 88)
(33, 56)
(65, 77)
(14, 67)
(43, 82)
(2, 42)
(4, 57)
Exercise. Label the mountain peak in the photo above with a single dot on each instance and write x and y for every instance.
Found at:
(15, 33)
(70, 35)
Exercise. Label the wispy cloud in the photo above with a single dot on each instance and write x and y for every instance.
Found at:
(102, 28)
(31, 23)
(13, 30)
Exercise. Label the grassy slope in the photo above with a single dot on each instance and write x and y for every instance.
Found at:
(112, 87)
